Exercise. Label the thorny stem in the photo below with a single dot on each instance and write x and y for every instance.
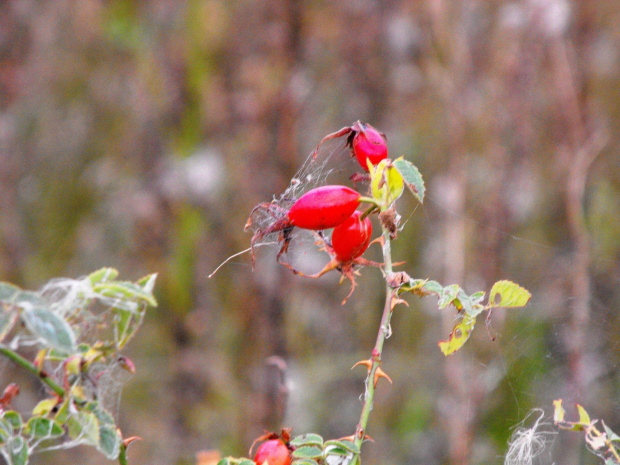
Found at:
(22, 362)
(378, 349)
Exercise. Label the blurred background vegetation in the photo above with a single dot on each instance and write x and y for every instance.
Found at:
(139, 135)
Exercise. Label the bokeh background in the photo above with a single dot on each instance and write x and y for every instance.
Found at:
(139, 135)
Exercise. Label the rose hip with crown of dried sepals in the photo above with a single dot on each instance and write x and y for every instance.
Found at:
(350, 239)
(273, 452)
(368, 144)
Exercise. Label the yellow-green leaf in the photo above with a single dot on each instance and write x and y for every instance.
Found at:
(584, 418)
(459, 336)
(44, 407)
(508, 294)
(558, 411)
(387, 184)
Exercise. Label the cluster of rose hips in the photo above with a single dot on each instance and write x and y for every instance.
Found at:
(333, 206)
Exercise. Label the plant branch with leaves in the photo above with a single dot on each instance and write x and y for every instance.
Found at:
(386, 180)
(78, 327)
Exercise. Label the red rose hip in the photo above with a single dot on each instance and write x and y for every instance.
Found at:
(369, 144)
(324, 207)
(351, 238)
(273, 452)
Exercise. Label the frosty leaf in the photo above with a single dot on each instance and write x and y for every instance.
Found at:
(103, 275)
(7, 321)
(18, 451)
(477, 297)
(447, 295)
(432, 287)
(307, 452)
(44, 428)
(343, 444)
(508, 294)
(13, 418)
(310, 439)
(459, 335)
(84, 426)
(125, 290)
(613, 437)
(246, 462)
(47, 326)
(412, 177)
(8, 292)
(303, 462)
(109, 440)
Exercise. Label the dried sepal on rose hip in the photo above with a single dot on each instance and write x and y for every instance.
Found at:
(275, 450)
(349, 241)
(367, 144)
(320, 208)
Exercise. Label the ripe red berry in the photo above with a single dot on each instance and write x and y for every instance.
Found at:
(274, 452)
(351, 238)
(324, 207)
(369, 144)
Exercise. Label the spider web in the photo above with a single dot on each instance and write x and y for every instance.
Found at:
(332, 163)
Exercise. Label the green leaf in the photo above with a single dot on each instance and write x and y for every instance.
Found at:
(459, 336)
(8, 292)
(44, 428)
(225, 461)
(246, 462)
(342, 444)
(304, 462)
(508, 294)
(49, 327)
(412, 177)
(310, 439)
(14, 419)
(125, 290)
(102, 276)
(447, 295)
(18, 451)
(307, 452)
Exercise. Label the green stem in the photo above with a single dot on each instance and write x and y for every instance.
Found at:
(382, 334)
(369, 200)
(22, 362)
